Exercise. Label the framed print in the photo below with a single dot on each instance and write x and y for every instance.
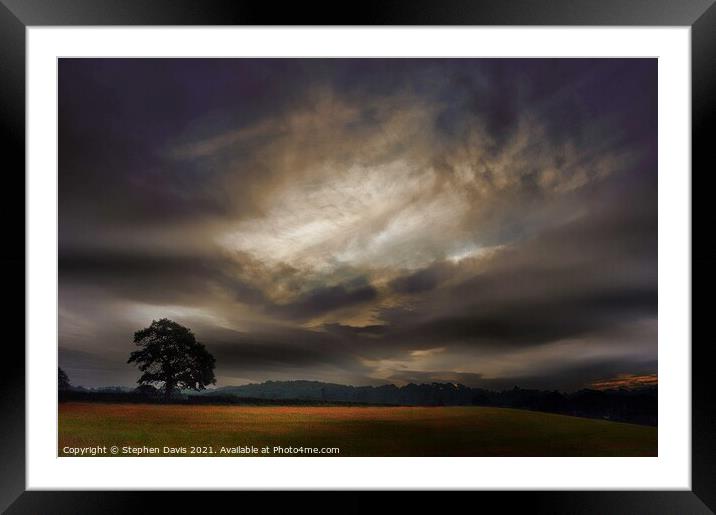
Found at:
(442, 248)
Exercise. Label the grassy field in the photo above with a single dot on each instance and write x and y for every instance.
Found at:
(356, 431)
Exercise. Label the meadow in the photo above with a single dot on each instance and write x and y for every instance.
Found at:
(208, 430)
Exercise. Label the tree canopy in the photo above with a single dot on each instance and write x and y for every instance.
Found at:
(170, 355)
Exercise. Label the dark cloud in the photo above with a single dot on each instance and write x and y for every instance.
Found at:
(329, 298)
(594, 272)
(421, 280)
(275, 350)
(95, 368)
(156, 277)
(347, 331)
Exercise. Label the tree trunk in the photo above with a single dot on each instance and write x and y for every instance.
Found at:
(168, 388)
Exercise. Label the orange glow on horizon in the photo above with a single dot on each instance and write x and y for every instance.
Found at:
(629, 381)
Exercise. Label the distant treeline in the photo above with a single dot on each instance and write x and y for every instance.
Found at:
(635, 406)
(120, 395)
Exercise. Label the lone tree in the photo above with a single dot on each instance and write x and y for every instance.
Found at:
(169, 354)
(63, 382)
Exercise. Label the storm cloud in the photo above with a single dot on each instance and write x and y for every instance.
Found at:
(362, 221)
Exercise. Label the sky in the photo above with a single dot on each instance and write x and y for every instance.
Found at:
(490, 222)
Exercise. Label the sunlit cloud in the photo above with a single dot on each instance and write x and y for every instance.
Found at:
(629, 381)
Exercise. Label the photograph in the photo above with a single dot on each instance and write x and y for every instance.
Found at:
(357, 257)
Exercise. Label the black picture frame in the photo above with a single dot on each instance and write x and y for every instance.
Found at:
(17, 15)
